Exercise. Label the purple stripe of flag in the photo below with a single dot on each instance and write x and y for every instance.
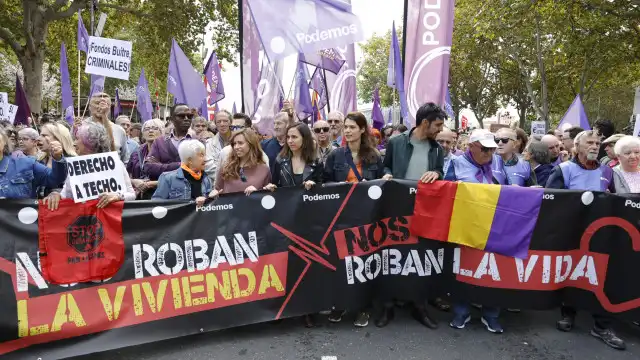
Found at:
(514, 220)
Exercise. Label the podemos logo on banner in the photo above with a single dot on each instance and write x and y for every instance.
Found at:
(109, 57)
(92, 175)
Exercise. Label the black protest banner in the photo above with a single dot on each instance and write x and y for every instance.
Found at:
(242, 260)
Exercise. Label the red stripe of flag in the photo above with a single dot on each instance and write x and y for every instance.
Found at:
(433, 210)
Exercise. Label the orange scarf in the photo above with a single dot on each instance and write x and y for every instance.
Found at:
(196, 175)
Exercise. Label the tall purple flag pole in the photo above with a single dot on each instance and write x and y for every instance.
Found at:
(82, 45)
(183, 81)
(214, 79)
(395, 73)
(65, 86)
(376, 113)
(302, 99)
(143, 98)
(427, 52)
(575, 116)
(24, 111)
(318, 83)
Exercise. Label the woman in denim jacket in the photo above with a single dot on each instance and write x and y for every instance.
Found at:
(187, 182)
(21, 176)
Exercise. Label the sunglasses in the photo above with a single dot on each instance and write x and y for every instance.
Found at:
(503, 140)
(319, 130)
(486, 149)
(242, 177)
(333, 121)
(184, 116)
(236, 127)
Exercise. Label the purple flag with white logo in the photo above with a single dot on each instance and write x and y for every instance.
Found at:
(341, 88)
(575, 116)
(24, 111)
(448, 107)
(428, 37)
(395, 73)
(302, 103)
(319, 85)
(376, 113)
(287, 27)
(65, 86)
(117, 107)
(83, 35)
(144, 106)
(327, 59)
(97, 84)
(184, 82)
(269, 96)
(214, 79)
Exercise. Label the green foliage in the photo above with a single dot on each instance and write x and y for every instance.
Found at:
(374, 70)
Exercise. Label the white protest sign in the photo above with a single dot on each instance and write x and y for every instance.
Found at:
(92, 175)
(538, 128)
(109, 57)
(11, 111)
(4, 103)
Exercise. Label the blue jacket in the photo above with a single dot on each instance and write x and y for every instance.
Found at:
(21, 176)
(272, 148)
(571, 175)
(173, 185)
(336, 169)
(542, 173)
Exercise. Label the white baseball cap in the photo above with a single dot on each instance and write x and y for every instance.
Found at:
(484, 137)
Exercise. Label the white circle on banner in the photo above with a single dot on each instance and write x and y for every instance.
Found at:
(375, 192)
(159, 212)
(28, 215)
(277, 45)
(587, 198)
(268, 202)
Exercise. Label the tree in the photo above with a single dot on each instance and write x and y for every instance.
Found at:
(373, 72)
(149, 24)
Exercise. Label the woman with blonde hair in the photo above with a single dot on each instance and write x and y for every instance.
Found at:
(55, 132)
(244, 169)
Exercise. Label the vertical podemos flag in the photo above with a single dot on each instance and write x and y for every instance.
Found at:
(65, 86)
(492, 218)
(143, 98)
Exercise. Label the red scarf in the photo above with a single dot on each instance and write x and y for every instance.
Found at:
(196, 175)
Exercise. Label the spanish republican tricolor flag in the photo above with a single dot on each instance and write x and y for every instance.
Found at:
(493, 218)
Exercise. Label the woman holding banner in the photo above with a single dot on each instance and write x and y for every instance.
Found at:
(92, 138)
(21, 176)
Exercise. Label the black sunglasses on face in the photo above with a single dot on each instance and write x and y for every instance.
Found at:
(486, 149)
(319, 130)
(184, 116)
(503, 140)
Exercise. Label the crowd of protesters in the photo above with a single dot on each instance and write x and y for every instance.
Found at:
(190, 158)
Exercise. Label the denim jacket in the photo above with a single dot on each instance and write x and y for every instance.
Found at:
(336, 169)
(21, 176)
(173, 185)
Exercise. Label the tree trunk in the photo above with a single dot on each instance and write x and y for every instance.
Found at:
(32, 68)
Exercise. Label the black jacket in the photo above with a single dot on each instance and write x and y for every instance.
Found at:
(399, 151)
(336, 168)
(283, 171)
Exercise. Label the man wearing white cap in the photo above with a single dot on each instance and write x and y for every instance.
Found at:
(477, 165)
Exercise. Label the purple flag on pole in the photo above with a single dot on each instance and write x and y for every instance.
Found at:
(97, 85)
(395, 73)
(328, 59)
(376, 113)
(428, 50)
(24, 111)
(448, 107)
(575, 116)
(390, 116)
(318, 85)
(341, 88)
(144, 106)
(302, 98)
(287, 27)
(83, 35)
(184, 82)
(214, 79)
(65, 86)
(204, 110)
(117, 107)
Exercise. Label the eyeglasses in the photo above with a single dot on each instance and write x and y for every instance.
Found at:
(319, 130)
(184, 116)
(149, 128)
(486, 149)
(236, 127)
(242, 177)
(503, 140)
(24, 139)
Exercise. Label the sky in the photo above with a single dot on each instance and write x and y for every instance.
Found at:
(376, 17)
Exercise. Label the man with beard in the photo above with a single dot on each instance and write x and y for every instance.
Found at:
(321, 130)
(164, 151)
(336, 122)
(585, 173)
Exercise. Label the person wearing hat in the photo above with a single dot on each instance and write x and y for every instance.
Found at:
(611, 160)
(478, 165)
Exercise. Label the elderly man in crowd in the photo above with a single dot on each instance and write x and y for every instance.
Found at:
(584, 172)
(217, 143)
(537, 154)
(336, 123)
(132, 145)
(273, 146)
(568, 137)
(447, 139)
(518, 170)
(553, 144)
(321, 129)
(611, 160)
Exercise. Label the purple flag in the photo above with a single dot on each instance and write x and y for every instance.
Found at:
(376, 113)
(97, 85)
(184, 82)
(269, 96)
(428, 39)
(318, 84)
(390, 116)
(575, 116)
(65, 85)
(287, 27)
(144, 106)
(342, 87)
(214, 79)
(327, 59)
(117, 107)
(24, 111)
(234, 108)
(302, 98)
(83, 35)
(204, 110)
(448, 107)
(395, 73)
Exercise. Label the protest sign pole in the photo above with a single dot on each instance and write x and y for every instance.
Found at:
(78, 82)
(166, 101)
(133, 110)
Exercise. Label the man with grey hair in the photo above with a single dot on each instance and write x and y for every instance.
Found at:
(273, 146)
(215, 144)
(27, 141)
(446, 139)
(336, 123)
(552, 142)
(537, 154)
(125, 123)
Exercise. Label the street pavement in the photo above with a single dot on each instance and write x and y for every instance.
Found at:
(528, 335)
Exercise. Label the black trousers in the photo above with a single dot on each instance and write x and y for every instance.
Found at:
(601, 321)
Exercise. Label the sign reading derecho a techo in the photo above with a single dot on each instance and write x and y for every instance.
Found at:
(92, 175)
(109, 57)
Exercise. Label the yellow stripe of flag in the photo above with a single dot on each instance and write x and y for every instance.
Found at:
(473, 210)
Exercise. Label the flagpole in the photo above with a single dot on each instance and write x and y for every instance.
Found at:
(166, 101)
(78, 82)
(133, 110)
(326, 89)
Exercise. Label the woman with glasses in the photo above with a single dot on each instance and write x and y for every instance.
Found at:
(27, 141)
(244, 170)
(151, 130)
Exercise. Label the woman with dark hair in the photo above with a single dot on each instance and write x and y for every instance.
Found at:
(297, 164)
(358, 160)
